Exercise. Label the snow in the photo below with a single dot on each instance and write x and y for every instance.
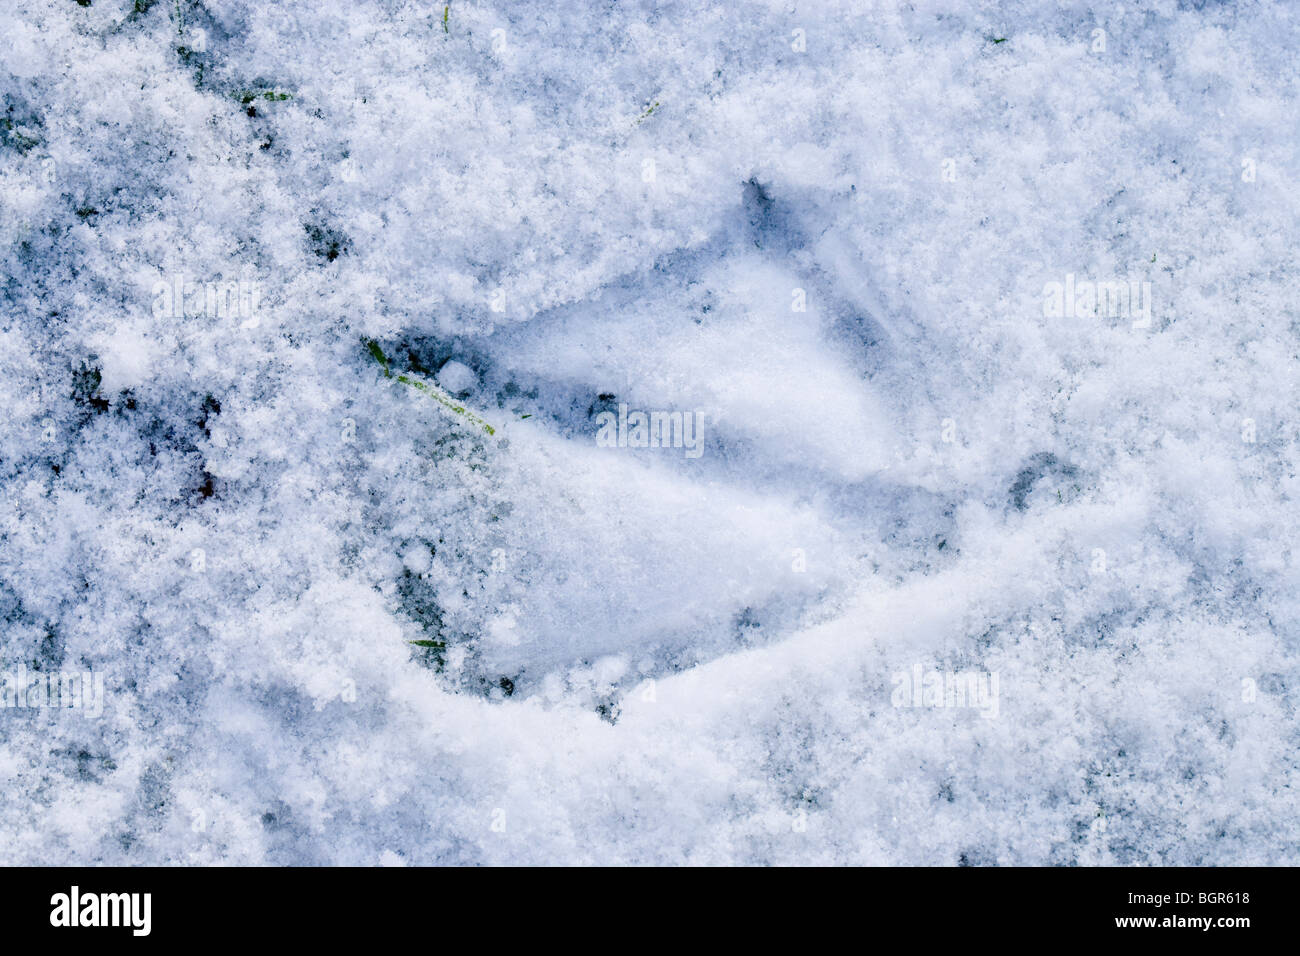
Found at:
(457, 377)
(832, 235)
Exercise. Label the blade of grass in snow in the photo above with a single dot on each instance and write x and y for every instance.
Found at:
(433, 391)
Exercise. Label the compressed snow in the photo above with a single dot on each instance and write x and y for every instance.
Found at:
(945, 367)
(457, 377)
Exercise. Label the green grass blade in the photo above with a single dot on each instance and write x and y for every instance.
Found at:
(433, 391)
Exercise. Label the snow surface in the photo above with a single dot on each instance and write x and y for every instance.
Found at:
(560, 210)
